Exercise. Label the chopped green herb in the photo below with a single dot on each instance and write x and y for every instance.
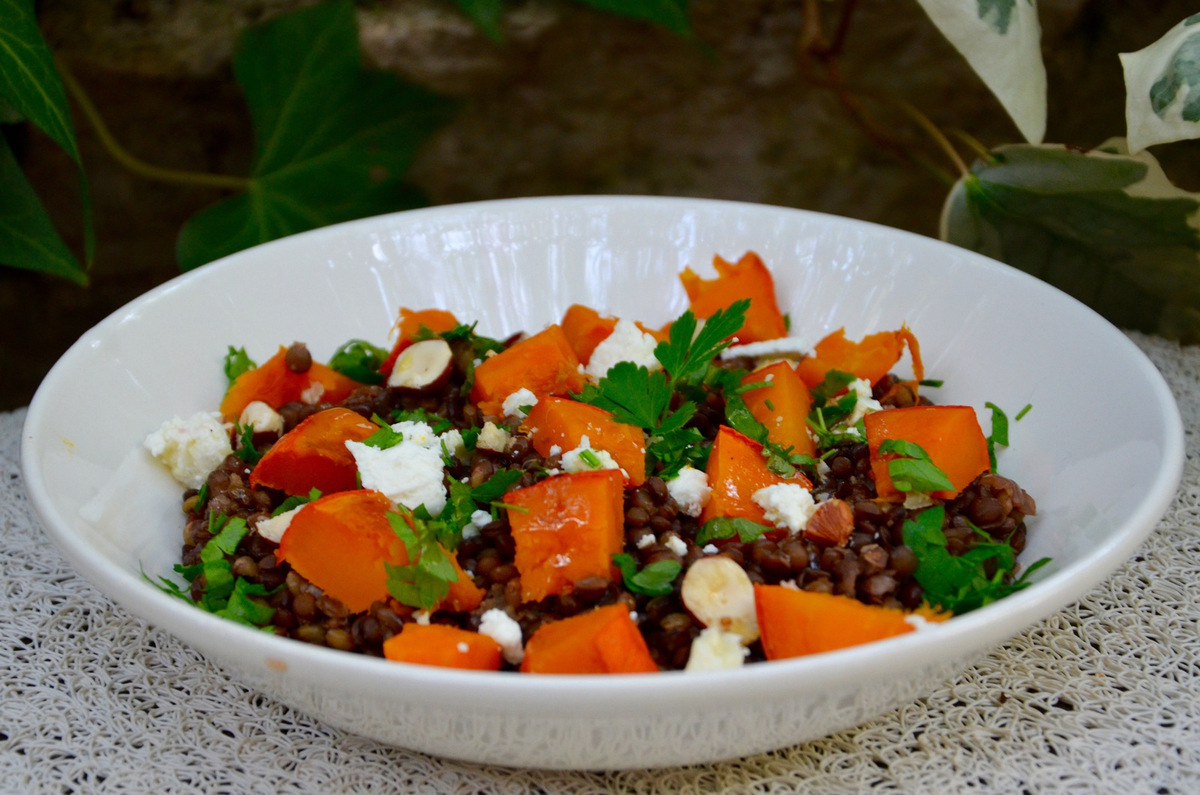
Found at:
(236, 363)
(383, 438)
(296, 500)
(960, 583)
(425, 580)
(438, 423)
(931, 382)
(999, 434)
(1021, 414)
(728, 527)
(913, 469)
(246, 449)
(590, 458)
(656, 579)
(360, 360)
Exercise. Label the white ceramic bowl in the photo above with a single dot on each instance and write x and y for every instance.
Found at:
(1101, 450)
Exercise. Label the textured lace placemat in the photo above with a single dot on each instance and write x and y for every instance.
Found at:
(1102, 697)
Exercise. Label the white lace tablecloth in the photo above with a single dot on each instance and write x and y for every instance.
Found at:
(1102, 697)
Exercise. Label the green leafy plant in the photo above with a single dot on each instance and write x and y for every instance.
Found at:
(334, 142)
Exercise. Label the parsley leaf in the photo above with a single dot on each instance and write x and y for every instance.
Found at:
(656, 579)
(246, 449)
(236, 363)
(438, 423)
(913, 469)
(425, 580)
(686, 353)
(961, 583)
(360, 360)
(729, 526)
(296, 500)
(385, 437)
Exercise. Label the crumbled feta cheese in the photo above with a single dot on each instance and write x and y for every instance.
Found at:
(865, 403)
(626, 343)
(462, 647)
(787, 506)
(452, 443)
(561, 561)
(313, 393)
(646, 540)
(513, 403)
(479, 519)
(493, 437)
(407, 473)
(690, 490)
(555, 450)
(709, 549)
(261, 418)
(781, 348)
(790, 584)
(501, 627)
(274, 527)
(422, 617)
(190, 449)
(919, 622)
(916, 500)
(417, 432)
(576, 460)
(676, 545)
(715, 650)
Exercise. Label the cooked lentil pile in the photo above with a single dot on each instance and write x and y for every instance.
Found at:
(818, 521)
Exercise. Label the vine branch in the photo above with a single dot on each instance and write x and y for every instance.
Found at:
(132, 163)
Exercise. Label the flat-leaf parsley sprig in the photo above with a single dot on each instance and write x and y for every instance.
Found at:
(662, 402)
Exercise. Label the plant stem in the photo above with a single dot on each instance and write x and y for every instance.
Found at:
(129, 161)
(933, 132)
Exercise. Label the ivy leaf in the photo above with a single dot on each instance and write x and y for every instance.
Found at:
(1002, 42)
(333, 141)
(670, 14)
(1162, 88)
(32, 89)
(1107, 227)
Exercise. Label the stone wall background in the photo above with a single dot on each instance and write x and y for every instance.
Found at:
(574, 102)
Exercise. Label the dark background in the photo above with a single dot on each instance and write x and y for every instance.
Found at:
(574, 102)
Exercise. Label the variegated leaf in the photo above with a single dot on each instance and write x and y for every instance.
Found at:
(1001, 40)
(1162, 88)
(1105, 226)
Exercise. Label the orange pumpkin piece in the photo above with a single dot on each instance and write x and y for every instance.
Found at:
(870, 359)
(545, 364)
(737, 469)
(274, 384)
(409, 324)
(566, 527)
(585, 329)
(747, 278)
(313, 455)
(340, 542)
(782, 406)
(949, 434)
(560, 422)
(604, 641)
(444, 646)
(794, 623)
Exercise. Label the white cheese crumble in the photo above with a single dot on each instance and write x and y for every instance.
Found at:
(452, 443)
(408, 473)
(709, 549)
(274, 527)
(787, 506)
(577, 460)
(479, 518)
(690, 490)
(417, 432)
(313, 393)
(864, 404)
(190, 449)
(647, 540)
(422, 617)
(676, 545)
(626, 343)
(261, 418)
(916, 500)
(493, 437)
(715, 650)
(462, 647)
(501, 627)
(780, 348)
(521, 398)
